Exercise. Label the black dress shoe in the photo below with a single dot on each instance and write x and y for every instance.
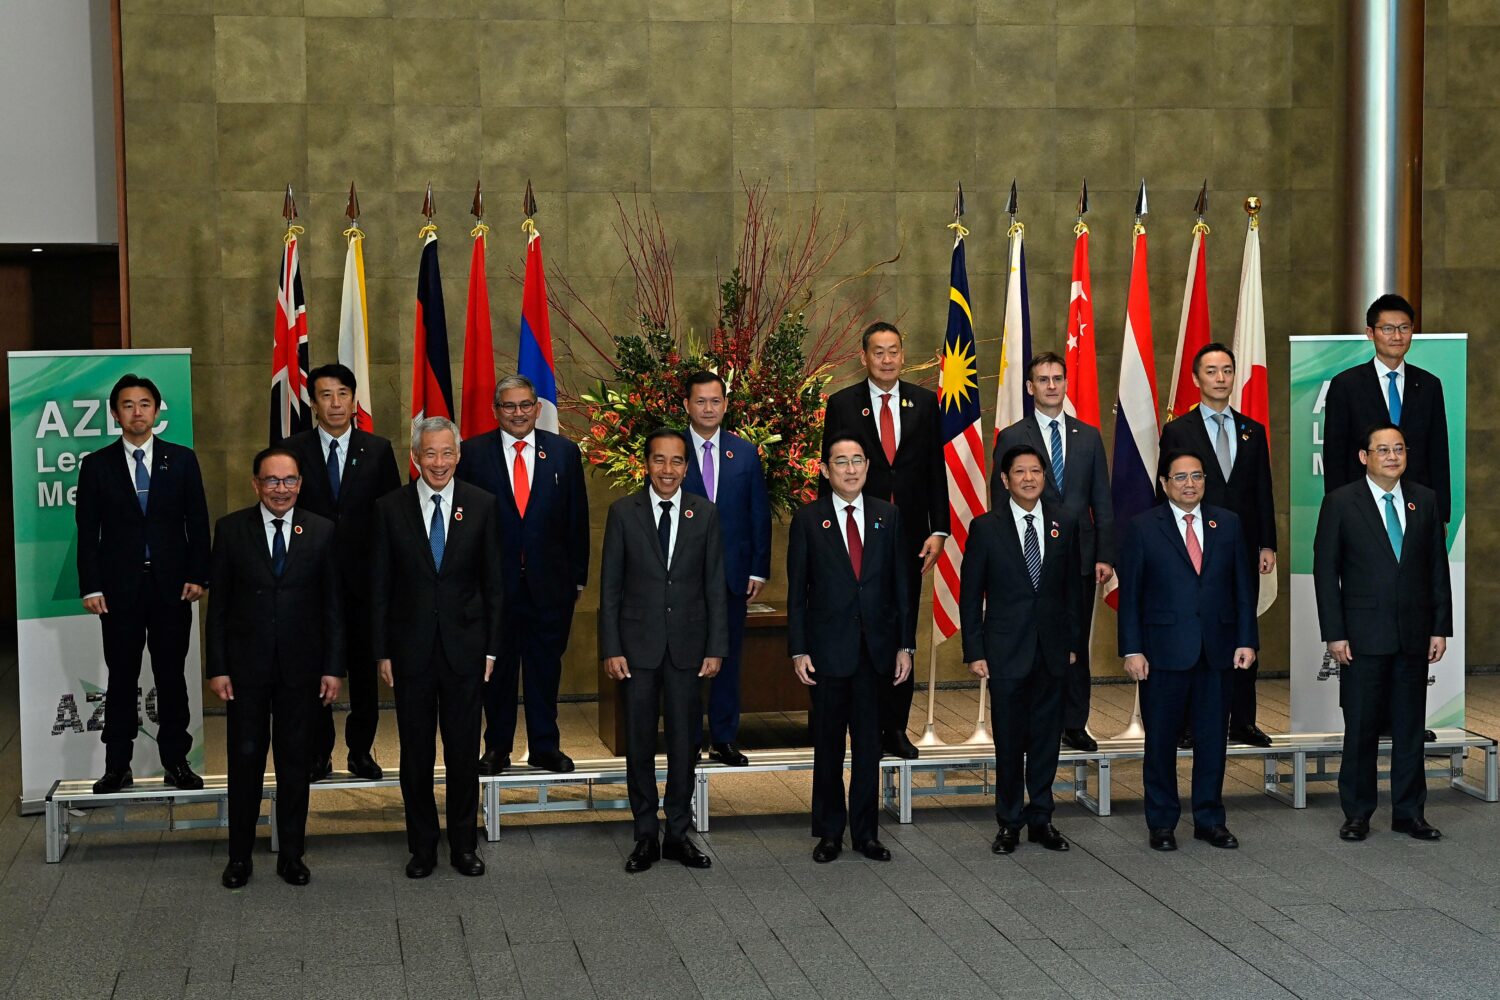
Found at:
(685, 853)
(1428, 736)
(827, 850)
(320, 768)
(1047, 836)
(468, 863)
(1250, 735)
(1163, 840)
(646, 851)
(1185, 741)
(362, 765)
(729, 755)
(236, 874)
(1217, 836)
(293, 871)
(420, 867)
(1418, 829)
(494, 762)
(551, 760)
(1006, 841)
(1079, 739)
(181, 776)
(114, 781)
(898, 745)
(1354, 829)
(874, 850)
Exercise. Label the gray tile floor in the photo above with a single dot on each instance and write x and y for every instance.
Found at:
(1294, 912)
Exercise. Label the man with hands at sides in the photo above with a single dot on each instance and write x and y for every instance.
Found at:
(851, 638)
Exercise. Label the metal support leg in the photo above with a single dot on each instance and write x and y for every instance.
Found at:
(1299, 779)
(700, 803)
(275, 828)
(57, 836)
(1104, 788)
(904, 815)
(491, 811)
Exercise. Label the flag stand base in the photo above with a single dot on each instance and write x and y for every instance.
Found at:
(1136, 730)
(930, 737)
(981, 735)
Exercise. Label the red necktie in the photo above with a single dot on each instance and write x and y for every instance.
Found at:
(887, 429)
(1195, 551)
(856, 545)
(519, 484)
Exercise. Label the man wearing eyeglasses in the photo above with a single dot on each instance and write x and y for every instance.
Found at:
(537, 479)
(1388, 390)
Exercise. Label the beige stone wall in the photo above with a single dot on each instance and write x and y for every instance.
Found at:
(874, 106)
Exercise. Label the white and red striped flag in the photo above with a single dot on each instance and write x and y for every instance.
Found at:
(1252, 395)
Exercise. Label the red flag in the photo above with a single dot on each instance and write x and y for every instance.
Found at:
(1082, 355)
(291, 407)
(1192, 332)
(477, 412)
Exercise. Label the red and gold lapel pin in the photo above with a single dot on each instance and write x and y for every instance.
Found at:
(458, 513)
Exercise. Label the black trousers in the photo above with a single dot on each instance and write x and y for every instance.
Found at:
(1242, 696)
(1370, 689)
(274, 716)
(531, 652)
(362, 685)
(1078, 681)
(849, 705)
(673, 695)
(1168, 699)
(895, 699)
(432, 697)
(724, 689)
(1027, 714)
(141, 619)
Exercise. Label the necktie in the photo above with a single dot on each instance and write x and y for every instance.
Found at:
(1221, 444)
(278, 548)
(887, 429)
(664, 531)
(1393, 398)
(708, 469)
(1033, 554)
(1195, 551)
(1392, 524)
(1057, 457)
(856, 544)
(334, 474)
(142, 480)
(437, 538)
(520, 485)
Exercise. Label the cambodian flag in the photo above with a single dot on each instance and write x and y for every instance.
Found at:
(535, 352)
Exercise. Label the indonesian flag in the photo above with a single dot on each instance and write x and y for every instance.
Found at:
(431, 377)
(534, 355)
(1082, 355)
(1251, 394)
(354, 329)
(1012, 403)
(291, 409)
(478, 410)
(1192, 332)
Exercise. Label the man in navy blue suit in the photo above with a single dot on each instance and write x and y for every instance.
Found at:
(726, 470)
(1187, 615)
(537, 479)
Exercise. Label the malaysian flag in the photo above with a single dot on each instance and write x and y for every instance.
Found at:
(291, 408)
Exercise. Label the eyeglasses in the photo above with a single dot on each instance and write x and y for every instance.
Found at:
(848, 462)
(525, 407)
(1187, 477)
(1389, 330)
(1388, 450)
(277, 482)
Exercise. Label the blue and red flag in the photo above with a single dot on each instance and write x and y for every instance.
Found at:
(431, 377)
(535, 351)
(291, 407)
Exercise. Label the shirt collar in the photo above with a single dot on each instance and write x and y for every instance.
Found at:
(1210, 418)
(698, 441)
(1179, 513)
(146, 447)
(1019, 513)
(1383, 371)
(839, 503)
(1044, 422)
(510, 440)
(424, 493)
(266, 517)
(1379, 493)
(657, 499)
(343, 439)
(876, 392)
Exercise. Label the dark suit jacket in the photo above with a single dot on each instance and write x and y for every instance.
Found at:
(918, 481)
(647, 609)
(413, 603)
(1086, 479)
(370, 473)
(744, 508)
(1247, 492)
(1357, 399)
(1004, 620)
(827, 609)
(553, 538)
(263, 629)
(1364, 595)
(113, 533)
(1174, 615)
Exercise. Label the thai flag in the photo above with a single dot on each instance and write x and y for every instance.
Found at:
(291, 408)
(431, 378)
(535, 353)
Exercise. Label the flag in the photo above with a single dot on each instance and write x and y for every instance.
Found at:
(291, 409)
(431, 378)
(1137, 434)
(1192, 332)
(478, 405)
(1082, 355)
(963, 443)
(1251, 394)
(535, 353)
(354, 328)
(1012, 402)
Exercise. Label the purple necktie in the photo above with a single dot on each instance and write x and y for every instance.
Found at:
(708, 469)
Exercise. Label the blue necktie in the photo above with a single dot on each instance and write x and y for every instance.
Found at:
(1057, 457)
(333, 468)
(142, 480)
(1033, 554)
(1393, 398)
(1392, 524)
(437, 537)
(278, 548)
(664, 531)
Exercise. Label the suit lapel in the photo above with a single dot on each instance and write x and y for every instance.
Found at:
(833, 533)
(354, 466)
(1375, 518)
(122, 476)
(648, 521)
(255, 536)
(418, 521)
(1375, 385)
(1167, 521)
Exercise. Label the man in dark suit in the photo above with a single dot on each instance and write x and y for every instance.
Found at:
(1237, 476)
(1385, 608)
(1073, 448)
(1388, 390)
(900, 429)
(344, 471)
(275, 654)
(726, 469)
(851, 636)
(435, 621)
(1018, 605)
(662, 628)
(537, 479)
(1187, 615)
(143, 559)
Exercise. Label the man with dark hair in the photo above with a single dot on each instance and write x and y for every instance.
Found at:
(662, 629)
(899, 428)
(1385, 608)
(726, 469)
(1077, 481)
(345, 470)
(275, 654)
(537, 479)
(143, 559)
(1237, 475)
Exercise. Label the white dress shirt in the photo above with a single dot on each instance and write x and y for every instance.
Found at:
(1211, 424)
(286, 528)
(148, 448)
(1381, 371)
(1379, 495)
(528, 458)
(718, 453)
(1044, 424)
(839, 503)
(876, 404)
(1020, 514)
(325, 439)
(1180, 515)
(675, 514)
(425, 494)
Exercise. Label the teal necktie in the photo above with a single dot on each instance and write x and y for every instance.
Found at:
(1393, 398)
(1392, 524)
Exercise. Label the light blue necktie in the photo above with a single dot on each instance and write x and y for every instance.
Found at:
(1392, 524)
(1057, 457)
(142, 487)
(1033, 554)
(1393, 398)
(436, 538)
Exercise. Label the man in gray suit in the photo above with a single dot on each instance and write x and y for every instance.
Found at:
(1078, 482)
(663, 628)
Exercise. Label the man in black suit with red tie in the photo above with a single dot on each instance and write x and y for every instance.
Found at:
(344, 471)
(900, 429)
(537, 479)
(143, 559)
(850, 634)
